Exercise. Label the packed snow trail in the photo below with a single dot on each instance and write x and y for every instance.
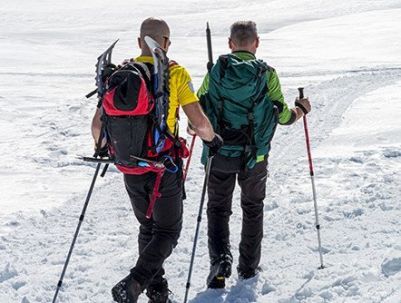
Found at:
(107, 240)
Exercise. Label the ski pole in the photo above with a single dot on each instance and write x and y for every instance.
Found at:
(81, 218)
(205, 182)
(189, 158)
(312, 175)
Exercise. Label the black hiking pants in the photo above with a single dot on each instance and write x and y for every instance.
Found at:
(220, 191)
(158, 235)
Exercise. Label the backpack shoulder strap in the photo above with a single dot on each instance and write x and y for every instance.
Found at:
(223, 61)
(270, 68)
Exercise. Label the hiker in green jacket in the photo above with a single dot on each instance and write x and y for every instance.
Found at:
(242, 97)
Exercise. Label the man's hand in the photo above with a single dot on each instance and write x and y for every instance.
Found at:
(214, 145)
(303, 104)
(104, 152)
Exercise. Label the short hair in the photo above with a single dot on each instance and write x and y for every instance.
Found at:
(155, 28)
(243, 33)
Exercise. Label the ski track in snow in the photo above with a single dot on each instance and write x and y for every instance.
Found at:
(357, 197)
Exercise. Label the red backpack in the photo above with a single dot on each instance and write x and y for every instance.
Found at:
(129, 117)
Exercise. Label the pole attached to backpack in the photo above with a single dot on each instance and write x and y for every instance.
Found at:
(312, 175)
(81, 218)
(202, 201)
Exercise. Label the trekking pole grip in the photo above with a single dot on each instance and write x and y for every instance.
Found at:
(301, 92)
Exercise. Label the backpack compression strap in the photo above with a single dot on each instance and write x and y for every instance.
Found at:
(156, 194)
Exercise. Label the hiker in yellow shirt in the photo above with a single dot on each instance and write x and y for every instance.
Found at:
(159, 234)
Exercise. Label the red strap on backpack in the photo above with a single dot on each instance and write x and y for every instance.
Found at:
(156, 194)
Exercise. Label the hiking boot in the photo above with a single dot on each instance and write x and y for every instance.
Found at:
(219, 271)
(247, 274)
(158, 293)
(126, 291)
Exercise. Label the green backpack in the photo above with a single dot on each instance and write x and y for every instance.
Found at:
(239, 109)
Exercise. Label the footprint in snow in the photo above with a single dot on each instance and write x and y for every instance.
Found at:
(391, 266)
(210, 296)
(7, 272)
(392, 153)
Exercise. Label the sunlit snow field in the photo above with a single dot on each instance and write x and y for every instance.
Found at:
(347, 56)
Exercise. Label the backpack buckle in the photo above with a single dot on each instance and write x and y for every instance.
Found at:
(169, 164)
(251, 149)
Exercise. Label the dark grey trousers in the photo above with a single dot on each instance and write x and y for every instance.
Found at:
(158, 235)
(220, 191)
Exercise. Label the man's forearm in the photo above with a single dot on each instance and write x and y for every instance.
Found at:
(198, 121)
(204, 130)
(97, 127)
(298, 113)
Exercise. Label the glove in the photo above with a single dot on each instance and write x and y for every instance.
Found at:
(303, 104)
(103, 152)
(214, 145)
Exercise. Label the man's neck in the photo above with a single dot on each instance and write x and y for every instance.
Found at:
(243, 51)
(146, 54)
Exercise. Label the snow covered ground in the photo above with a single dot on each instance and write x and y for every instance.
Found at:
(346, 54)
